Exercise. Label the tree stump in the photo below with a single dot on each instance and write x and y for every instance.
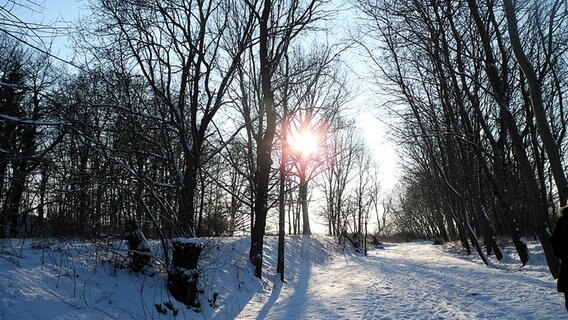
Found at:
(139, 251)
(183, 274)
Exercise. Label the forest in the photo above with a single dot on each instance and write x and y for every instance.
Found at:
(178, 120)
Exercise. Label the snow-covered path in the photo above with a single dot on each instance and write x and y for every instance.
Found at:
(409, 281)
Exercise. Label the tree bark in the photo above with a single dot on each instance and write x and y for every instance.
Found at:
(282, 197)
(281, 222)
(264, 144)
(303, 195)
(183, 275)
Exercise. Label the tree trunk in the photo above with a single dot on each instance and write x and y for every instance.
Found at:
(187, 200)
(264, 142)
(303, 194)
(183, 275)
(138, 247)
(42, 196)
(365, 238)
(12, 205)
(281, 222)
(462, 233)
(475, 242)
(22, 168)
(199, 230)
(282, 201)
(3, 167)
(260, 211)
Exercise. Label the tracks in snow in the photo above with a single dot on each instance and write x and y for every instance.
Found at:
(409, 281)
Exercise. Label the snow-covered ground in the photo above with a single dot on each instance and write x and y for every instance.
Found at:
(67, 280)
(412, 281)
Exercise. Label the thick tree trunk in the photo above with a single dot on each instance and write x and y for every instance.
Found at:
(22, 168)
(264, 143)
(198, 232)
(183, 275)
(264, 165)
(187, 200)
(260, 211)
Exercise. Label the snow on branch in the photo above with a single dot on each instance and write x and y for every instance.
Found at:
(31, 122)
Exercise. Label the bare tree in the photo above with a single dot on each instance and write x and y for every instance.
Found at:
(188, 52)
(469, 123)
(279, 22)
(28, 129)
(339, 172)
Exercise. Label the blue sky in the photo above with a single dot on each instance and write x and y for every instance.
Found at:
(57, 14)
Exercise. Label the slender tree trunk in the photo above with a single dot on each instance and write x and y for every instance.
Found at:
(475, 242)
(42, 196)
(12, 204)
(462, 233)
(365, 237)
(290, 220)
(303, 195)
(506, 199)
(3, 167)
(140, 210)
(281, 221)
(282, 199)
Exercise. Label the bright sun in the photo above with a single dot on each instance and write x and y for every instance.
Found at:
(305, 142)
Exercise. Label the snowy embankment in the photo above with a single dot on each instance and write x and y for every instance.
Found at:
(50, 279)
(66, 280)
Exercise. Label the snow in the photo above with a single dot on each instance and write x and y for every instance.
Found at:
(31, 122)
(413, 281)
(49, 279)
(193, 241)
